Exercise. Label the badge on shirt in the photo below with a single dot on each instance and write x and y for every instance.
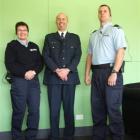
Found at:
(53, 44)
(32, 50)
(105, 34)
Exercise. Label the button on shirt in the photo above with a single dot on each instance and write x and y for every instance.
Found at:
(105, 42)
(62, 55)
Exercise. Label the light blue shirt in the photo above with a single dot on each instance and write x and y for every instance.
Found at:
(105, 42)
(23, 43)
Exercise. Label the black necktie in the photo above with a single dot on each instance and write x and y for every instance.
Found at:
(62, 35)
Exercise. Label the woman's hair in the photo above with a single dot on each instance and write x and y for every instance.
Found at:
(21, 23)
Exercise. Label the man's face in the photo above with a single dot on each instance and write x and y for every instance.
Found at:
(103, 14)
(22, 32)
(61, 22)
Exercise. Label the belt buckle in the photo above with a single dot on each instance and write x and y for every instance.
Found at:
(111, 64)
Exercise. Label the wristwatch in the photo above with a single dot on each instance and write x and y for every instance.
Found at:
(114, 71)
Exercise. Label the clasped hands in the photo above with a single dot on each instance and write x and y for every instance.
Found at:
(29, 75)
(62, 73)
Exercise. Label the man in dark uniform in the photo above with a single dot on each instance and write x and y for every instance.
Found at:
(23, 60)
(62, 53)
(105, 57)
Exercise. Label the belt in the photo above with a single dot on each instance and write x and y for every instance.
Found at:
(102, 66)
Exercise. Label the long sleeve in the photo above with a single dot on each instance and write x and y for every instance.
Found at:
(11, 64)
(39, 62)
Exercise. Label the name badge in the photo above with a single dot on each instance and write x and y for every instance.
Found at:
(105, 34)
(32, 50)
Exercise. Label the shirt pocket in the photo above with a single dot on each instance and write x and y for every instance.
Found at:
(54, 48)
(71, 49)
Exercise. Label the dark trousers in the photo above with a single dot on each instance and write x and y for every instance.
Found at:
(106, 101)
(66, 94)
(25, 93)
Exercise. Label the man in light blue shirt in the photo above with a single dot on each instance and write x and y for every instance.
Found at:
(105, 43)
(105, 57)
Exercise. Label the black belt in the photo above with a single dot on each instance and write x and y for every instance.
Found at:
(102, 66)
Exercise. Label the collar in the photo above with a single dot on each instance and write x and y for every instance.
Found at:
(62, 32)
(23, 42)
(105, 26)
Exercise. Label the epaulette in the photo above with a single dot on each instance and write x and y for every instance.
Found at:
(94, 31)
(117, 26)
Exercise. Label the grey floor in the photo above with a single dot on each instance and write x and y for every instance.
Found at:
(127, 137)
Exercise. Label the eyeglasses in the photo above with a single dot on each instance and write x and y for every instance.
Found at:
(22, 30)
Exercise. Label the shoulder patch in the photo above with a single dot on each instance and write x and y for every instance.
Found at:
(117, 26)
(94, 31)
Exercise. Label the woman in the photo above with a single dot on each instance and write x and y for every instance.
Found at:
(24, 62)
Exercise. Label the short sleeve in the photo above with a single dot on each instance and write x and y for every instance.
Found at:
(90, 46)
(119, 39)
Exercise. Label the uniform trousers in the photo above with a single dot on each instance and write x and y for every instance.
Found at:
(57, 94)
(25, 93)
(106, 103)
